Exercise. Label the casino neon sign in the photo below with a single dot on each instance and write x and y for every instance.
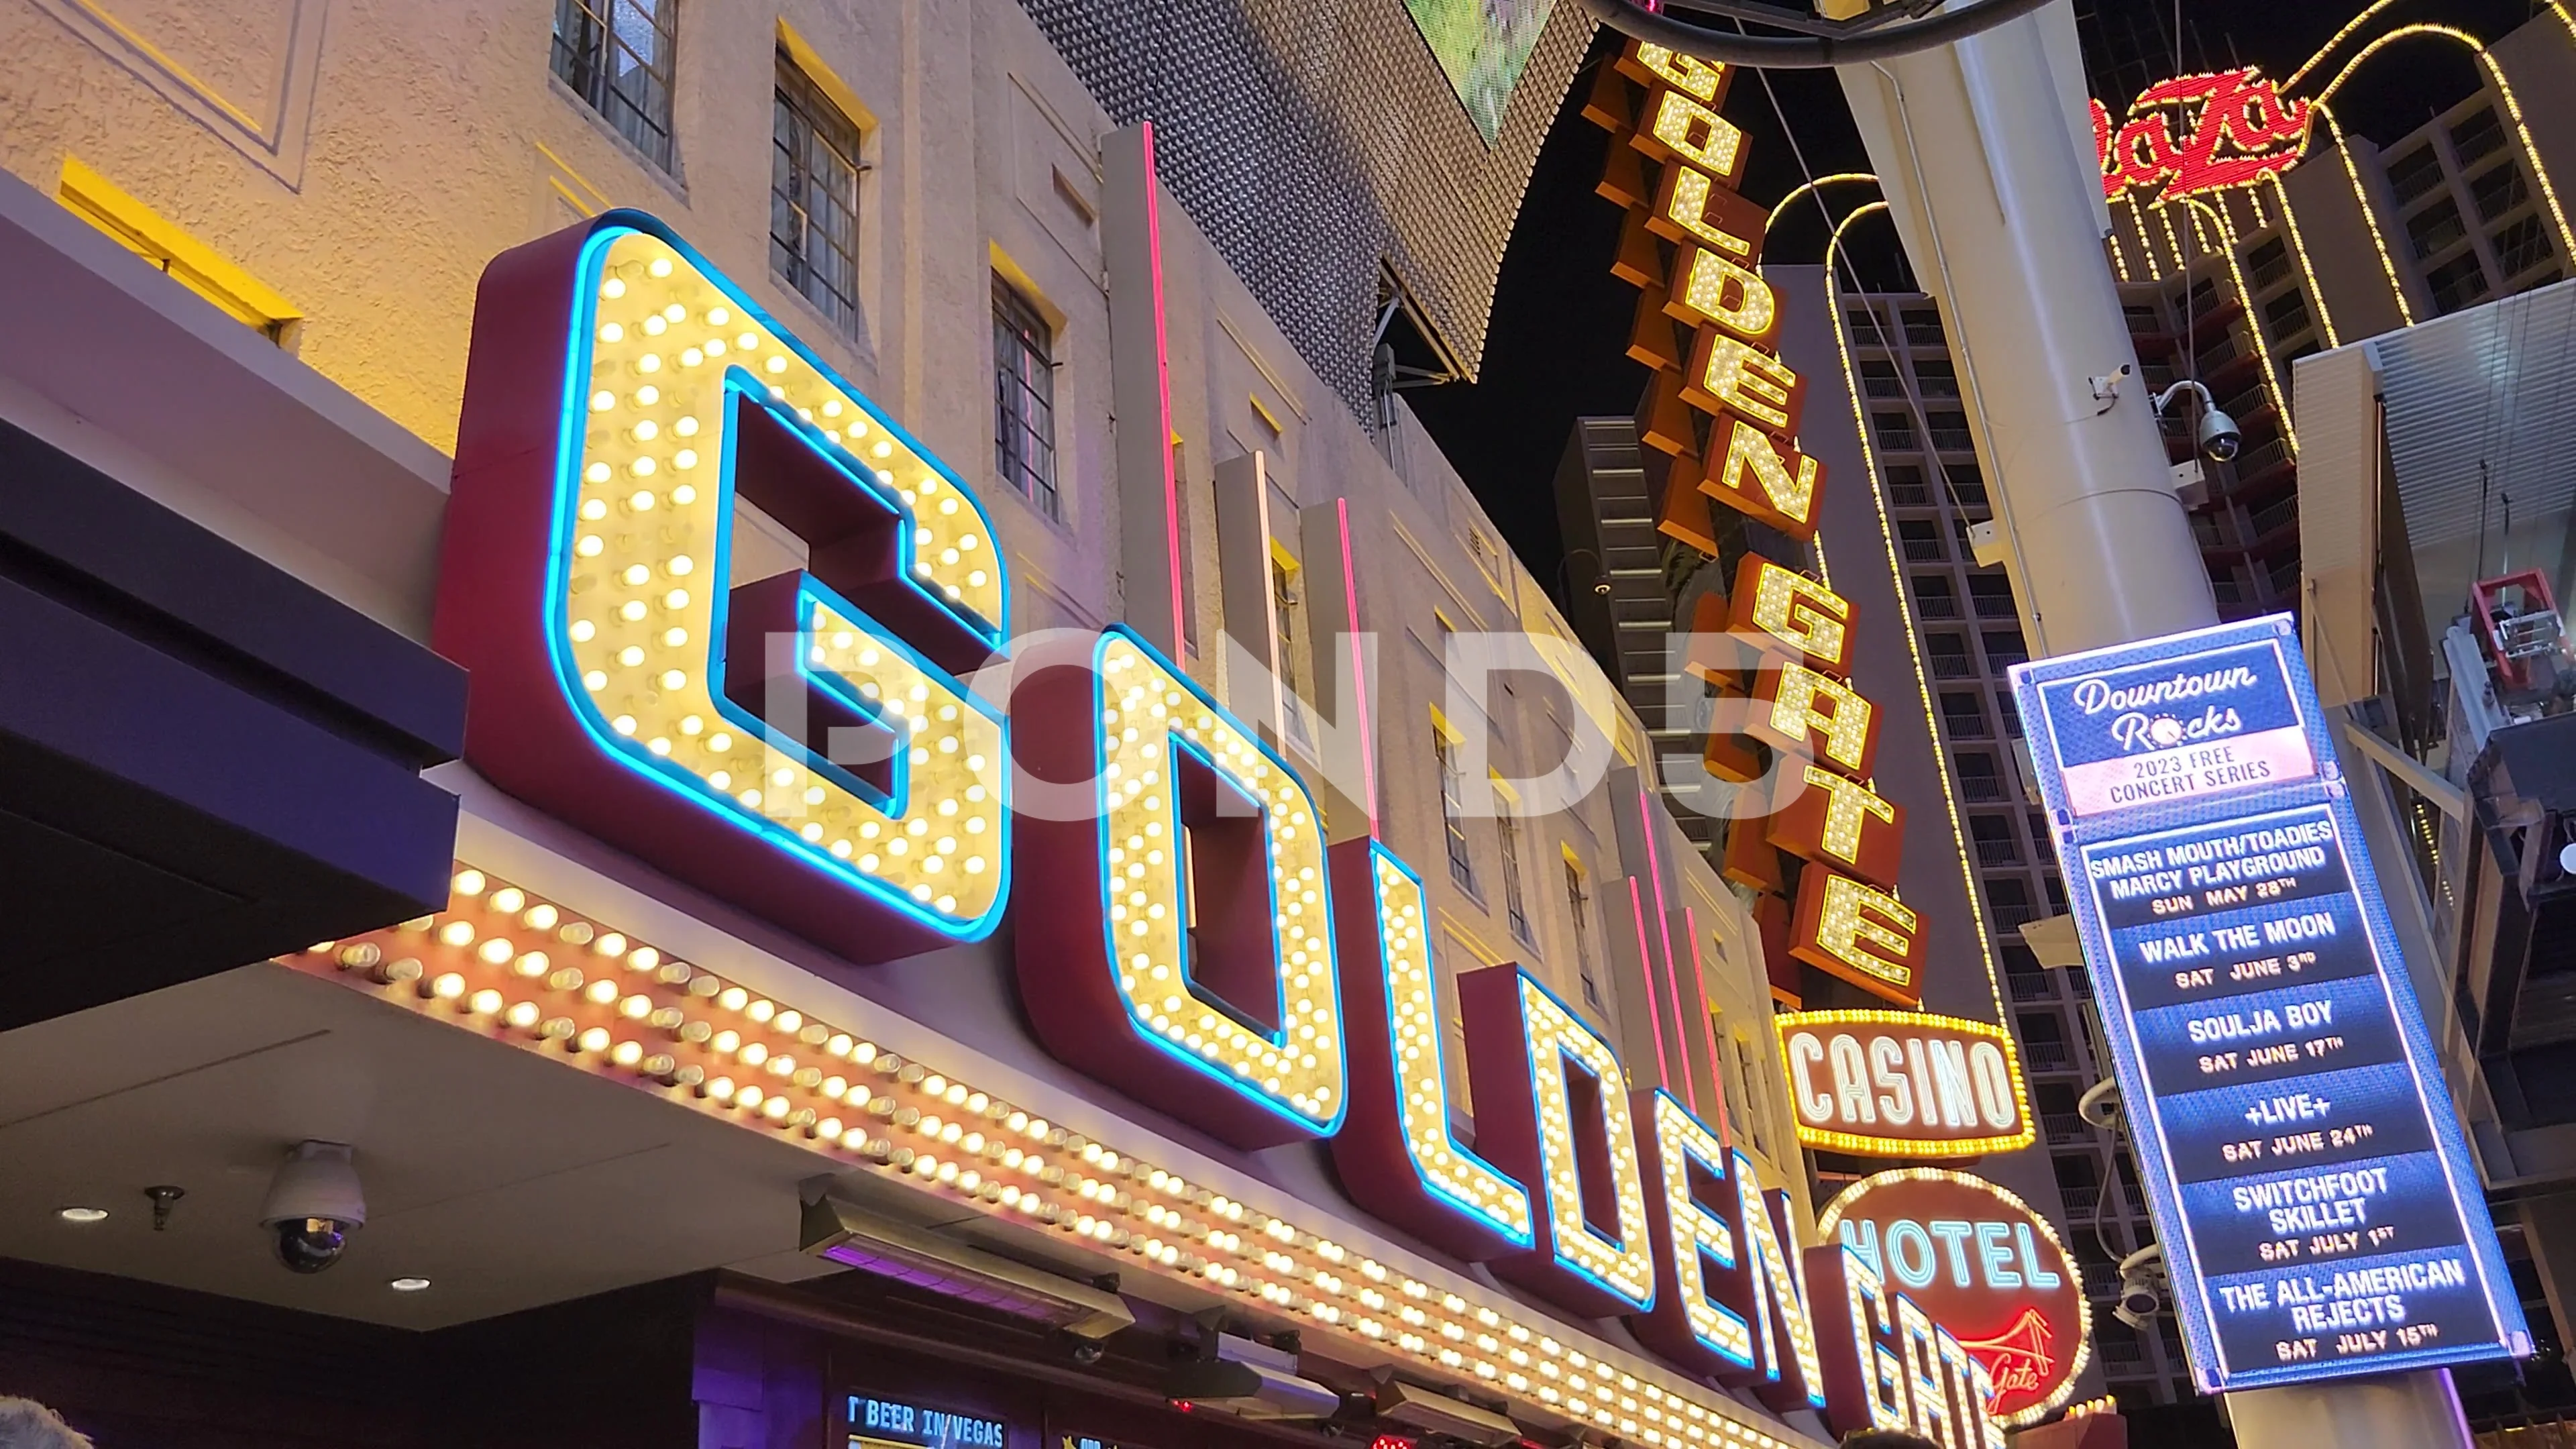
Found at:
(808, 746)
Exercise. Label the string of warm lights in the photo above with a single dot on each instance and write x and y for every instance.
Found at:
(518, 969)
(2504, 89)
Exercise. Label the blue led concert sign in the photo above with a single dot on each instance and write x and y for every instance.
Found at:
(2319, 1209)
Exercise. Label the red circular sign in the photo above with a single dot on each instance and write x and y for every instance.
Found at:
(1985, 1267)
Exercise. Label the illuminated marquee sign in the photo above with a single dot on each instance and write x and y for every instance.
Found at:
(1903, 1084)
(1984, 1266)
(801, 746)
(2243, 130)
(2319, 1209)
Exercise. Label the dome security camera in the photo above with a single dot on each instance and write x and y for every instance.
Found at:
(2218, 435)
(314, 1204)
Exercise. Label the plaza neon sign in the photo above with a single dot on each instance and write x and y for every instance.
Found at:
(806, 746)
(2241, 130)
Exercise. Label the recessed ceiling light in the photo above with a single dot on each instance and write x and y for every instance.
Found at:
(409, 1285)
(83, 1215)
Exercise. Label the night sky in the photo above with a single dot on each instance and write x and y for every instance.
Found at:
(1557, 350)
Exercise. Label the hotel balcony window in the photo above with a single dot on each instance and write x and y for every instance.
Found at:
(1878, 378)
(2521, 247)
(2010, 712)
(1978, 780)
(1993, 595)
(2436, 229)
(1934, 598)
(2498, 189)
(1863, 323)
(1024, 397)
(2479, 136)
(2004, 649)
(1922, 541)
(2286, 316)
(2460, 282)
(2079, 1181)
(1906, 488)
(1967, 485)
(1923, 326)
(2025, 979)
(2143, 317)
(2413, 174)
(1937, 377)
(1950, 433)
(616, 55)
(2281, 514)
(2268, 265)
(1995, 840)
(814, 171)
(1949, 656)
(1962, 718)
(1895, 431)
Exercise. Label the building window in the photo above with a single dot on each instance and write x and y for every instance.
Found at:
(1878, 378)
(1949, 654)
(2497, 190)
(1993, 595)
(2004, 649)
(1453, 809)
(1024, 397)
(2413, 174)
(1967, 485)
(1905, 486)
(1950, 433)
(2521, 246)
(1977, 778)
(1922, 541)
(1923, 326)
(1939, 378)
(1515, 910)
(2457, 283)
(2010, 711)
(814, 197)
(1578, 904)
(1895, 431)
(2477, 137)
(2286, 316)
(2268, 265)
(1961, 719)
(616, 55)
(2436, 229)
(1995, 841)
(1934, 598)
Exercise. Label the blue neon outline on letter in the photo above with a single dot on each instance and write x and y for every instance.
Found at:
(573, 424)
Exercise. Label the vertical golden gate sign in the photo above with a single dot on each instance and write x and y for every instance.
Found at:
(1726, 409)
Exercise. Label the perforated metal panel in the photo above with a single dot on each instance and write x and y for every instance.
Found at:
(1313, 140)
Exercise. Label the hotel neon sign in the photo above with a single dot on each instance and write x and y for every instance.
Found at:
(2243, 131)
(621, 398)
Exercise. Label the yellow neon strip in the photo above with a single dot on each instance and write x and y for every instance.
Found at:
(1905, 604)
(2245, 299)
(1820, 183)
(2370, 216)
(2299, 247)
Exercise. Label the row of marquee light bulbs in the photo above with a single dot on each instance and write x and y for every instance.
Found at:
(612, 1004)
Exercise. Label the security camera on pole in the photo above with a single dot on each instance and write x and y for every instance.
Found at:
(1982, 144)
